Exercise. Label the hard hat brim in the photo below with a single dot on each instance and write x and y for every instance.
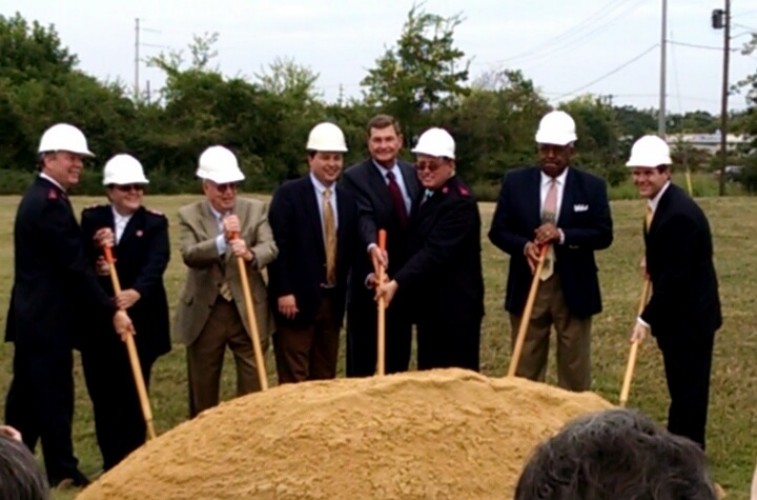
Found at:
(222, 178)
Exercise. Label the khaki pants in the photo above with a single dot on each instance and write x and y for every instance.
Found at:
(573, 340)
(205, 357)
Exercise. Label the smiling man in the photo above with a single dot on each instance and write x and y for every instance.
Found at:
(314, 223)
(443, 271)
(684, 311)
(557, 205)
(215, 233)
(384, 187)
(54, 286)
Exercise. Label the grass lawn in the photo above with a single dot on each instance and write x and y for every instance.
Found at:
(732, 432)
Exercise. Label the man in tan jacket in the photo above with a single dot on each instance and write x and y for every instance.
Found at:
(214, 233)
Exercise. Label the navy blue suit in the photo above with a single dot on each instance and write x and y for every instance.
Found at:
(53, 288)
(141, 255)
(684, 310)
(374, 202)
(569, 298)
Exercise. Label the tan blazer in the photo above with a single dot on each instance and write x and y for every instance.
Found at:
(198, 230)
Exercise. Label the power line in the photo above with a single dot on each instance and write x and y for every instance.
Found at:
(612, 72)
(697, 46)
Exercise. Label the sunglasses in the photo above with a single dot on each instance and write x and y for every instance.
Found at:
(229, 186)
(126, 188)
(431, 166)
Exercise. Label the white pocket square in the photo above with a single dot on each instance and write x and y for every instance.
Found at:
(580, 208)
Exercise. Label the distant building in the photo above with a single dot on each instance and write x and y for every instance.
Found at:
(709, 142)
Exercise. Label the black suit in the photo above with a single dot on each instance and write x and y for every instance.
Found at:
(141, 255)
(300, 270)
(444, 278)
(369, 187)
(585, 220)
(54, 286)
(684, 310)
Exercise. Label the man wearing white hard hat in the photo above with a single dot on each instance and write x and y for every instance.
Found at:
(314, 222)
(561, 206)
(140, 246)
(684, 311)
(54, 287)
(443, 272)
(210, 316)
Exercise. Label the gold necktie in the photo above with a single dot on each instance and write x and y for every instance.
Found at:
(549, 214)
(329, 237)
(648, 218)
(225, 289)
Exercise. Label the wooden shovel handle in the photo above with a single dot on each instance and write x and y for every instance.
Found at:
(381, 322)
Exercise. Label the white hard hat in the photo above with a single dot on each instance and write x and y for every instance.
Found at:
(435, 142)
(326, 137)
(556, 127)
(219, 165)
(123, 169)
(649, 151)
(64, 137)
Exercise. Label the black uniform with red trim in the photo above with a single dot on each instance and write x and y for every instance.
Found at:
(444, 276)
(54, 288)
(141, 257)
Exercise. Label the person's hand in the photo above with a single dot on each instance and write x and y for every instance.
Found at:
(639, 333)
(533, 254)
(386, 291)
(231, 226)
(102, 268)
(10, 432)
(104, 237)
(127, 298)
(288, 306)
(379, 258)
(123, 325)
(546, 233)
(643, 266)
(240, 249)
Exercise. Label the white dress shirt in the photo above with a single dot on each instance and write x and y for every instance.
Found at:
(119, 223)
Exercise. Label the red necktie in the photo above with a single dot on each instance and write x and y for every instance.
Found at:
(397, 200)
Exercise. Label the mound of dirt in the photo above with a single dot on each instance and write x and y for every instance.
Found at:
(435, 434)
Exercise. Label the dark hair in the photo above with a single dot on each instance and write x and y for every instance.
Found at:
(615, 455)
(383, 121)
(663, 168)
(20, 476)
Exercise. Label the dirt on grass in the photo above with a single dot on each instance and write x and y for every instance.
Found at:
(435, 434)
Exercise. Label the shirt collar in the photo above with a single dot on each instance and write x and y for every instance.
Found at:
(653, 202)
(118, 217)
(545, 179)
(319, 186)
(383, 170)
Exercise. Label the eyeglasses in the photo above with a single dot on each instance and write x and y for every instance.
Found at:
(229, 186)
(126, 188)
(431, 166)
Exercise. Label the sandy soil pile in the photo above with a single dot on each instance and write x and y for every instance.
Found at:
(438, 434)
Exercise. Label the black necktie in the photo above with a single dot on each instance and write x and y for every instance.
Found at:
(397, 200)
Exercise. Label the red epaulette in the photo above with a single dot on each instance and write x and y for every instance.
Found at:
(463, 190)
(52, 194)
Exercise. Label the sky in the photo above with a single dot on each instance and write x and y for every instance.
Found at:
(567, 48)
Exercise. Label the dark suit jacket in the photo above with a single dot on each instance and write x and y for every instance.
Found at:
(141, 255)
(300, 268)
(679, 262)
(54, 284)
(443, 273)
(376, 211)
(584, 219)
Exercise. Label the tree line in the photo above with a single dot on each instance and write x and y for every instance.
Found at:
(423, 80)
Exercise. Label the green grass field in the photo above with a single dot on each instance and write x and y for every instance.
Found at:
(732, 447)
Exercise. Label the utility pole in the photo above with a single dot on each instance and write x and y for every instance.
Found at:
(726, 22)
(663, 66)
(136, 59)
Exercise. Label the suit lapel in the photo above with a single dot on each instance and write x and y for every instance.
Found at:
(130, 230)
(567, 200)
(378, 185)
(534, 197)
(411, 181)
(310, 197)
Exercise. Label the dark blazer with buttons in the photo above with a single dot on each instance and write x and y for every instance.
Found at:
(679, 262)
(301, 266)
(53, 282)
(141, 256)
(443, 273)
(584, 219)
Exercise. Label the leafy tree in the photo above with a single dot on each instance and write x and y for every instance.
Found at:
(423, 72)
